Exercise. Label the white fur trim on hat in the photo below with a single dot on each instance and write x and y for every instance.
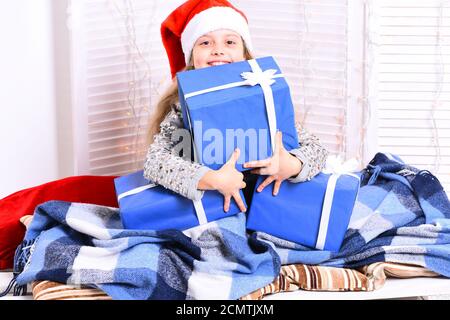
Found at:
(212, 19)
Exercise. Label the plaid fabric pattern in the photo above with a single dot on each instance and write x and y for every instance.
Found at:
(85, 245)
(291, 278)
(402, 216)
(50, 290)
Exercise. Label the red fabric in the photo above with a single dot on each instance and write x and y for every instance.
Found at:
(86, 189)
(173, 27)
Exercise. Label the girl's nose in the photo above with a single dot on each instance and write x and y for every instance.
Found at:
(217, 51)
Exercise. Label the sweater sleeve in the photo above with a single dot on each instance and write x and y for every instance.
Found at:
(167, 168)
(310, 152)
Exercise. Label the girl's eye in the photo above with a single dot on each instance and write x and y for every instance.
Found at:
(231, 42)
(204, 43)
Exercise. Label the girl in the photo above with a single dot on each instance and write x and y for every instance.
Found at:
(200, 34)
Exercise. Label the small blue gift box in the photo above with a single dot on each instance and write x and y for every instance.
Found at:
(237, 105)
(146, 206)
(313, 213)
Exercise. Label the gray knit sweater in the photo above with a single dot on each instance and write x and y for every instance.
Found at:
(166, 167)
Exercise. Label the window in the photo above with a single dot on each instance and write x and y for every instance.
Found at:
(119, 70)
(365, 76)
(408, 83)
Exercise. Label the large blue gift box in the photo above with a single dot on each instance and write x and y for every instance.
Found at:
(146, 206)
(304, 212)
(237, 105)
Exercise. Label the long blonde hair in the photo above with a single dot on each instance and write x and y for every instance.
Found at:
(169, 98)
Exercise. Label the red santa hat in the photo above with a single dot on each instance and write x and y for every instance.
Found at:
(194, 18)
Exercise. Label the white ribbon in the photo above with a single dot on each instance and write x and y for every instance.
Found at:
(335, 165)
(265, 79)
(336, 168)
(136, 190)
(198, 206)
(200, 212)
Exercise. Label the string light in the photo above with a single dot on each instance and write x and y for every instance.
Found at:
(309, 70)
(369, 57)
(303, 58)
(369, 101)
(342, 139)
(438, 92)
(140, 74)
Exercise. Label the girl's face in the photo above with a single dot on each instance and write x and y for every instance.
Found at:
(218, 47)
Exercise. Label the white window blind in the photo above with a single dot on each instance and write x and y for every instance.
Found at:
(120, 68)
(410, 89)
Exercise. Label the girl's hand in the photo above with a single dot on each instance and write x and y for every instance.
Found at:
(281, 166)
(227, 180)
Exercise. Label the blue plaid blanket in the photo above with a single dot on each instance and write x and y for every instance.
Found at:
(82, 244)
(402, 215)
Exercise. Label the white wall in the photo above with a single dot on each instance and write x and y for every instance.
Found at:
(63, 97)
(29, 119)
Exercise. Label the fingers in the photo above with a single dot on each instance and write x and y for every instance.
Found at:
(258, 164)
(226, 203)
(266, 171)
(278, 142)
(265, 183)
(234, 157)
(276, 187)
(269, 161)
(269, 180)
(239, 202)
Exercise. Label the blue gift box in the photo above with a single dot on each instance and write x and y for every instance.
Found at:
(298, 213)
(146, 206)
(250, 101)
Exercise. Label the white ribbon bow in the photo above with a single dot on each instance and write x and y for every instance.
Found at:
(259, 77)
(265, 79)
(336, 167)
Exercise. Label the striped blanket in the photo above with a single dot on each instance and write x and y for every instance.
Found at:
(402, 215)
(293, 277)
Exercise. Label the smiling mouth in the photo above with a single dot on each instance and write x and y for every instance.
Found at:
(217, 63)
